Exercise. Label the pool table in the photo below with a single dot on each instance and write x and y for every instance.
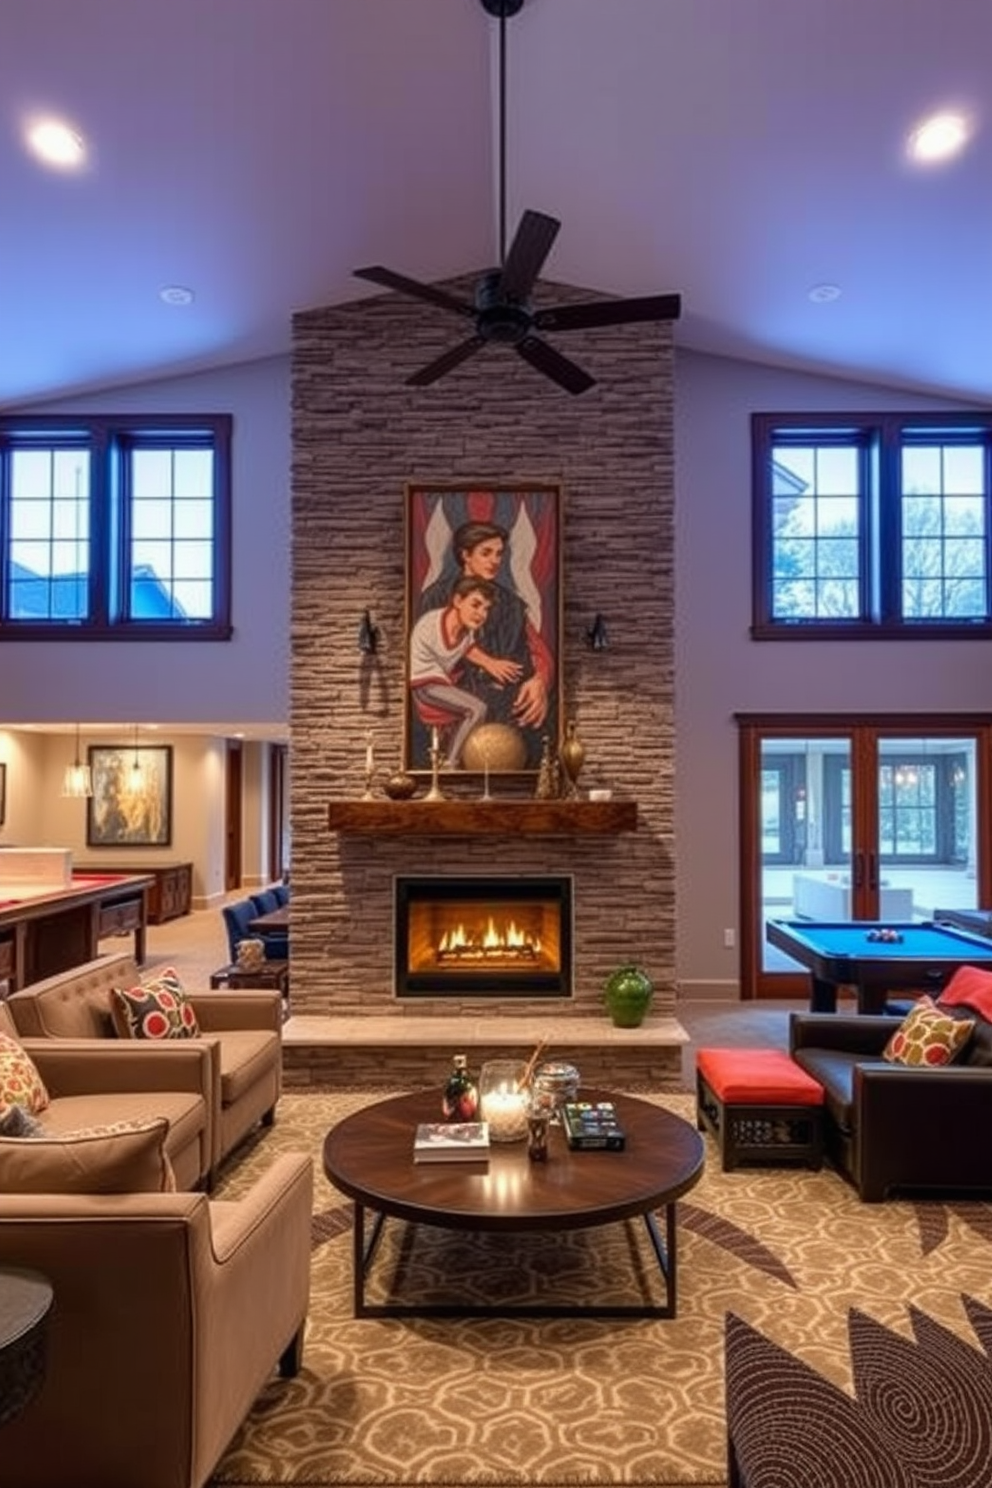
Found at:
(840, 954)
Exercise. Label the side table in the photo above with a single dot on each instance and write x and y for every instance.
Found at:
(274, 974)
(25, 1307)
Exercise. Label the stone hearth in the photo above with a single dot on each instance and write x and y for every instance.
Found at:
(371, 1052)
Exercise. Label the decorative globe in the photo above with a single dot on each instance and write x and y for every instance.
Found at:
(499, 746)
(628, 996)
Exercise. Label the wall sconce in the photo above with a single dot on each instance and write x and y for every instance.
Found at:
(77, 779)
(368, 635)
(596, 635)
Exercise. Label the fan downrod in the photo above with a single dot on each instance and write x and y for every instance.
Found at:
(502, 9)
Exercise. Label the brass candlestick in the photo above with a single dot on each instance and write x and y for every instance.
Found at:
(435, 793)
(369, 766)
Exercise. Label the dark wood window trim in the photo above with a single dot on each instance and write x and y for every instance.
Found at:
(108, 438)
(881, 437)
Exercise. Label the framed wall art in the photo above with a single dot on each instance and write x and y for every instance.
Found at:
(483, 618)
(130, 807)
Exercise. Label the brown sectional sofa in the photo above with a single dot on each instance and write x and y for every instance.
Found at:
(890, 1128)
(234, 1068)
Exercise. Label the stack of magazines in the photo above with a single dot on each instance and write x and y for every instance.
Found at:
(451, 1141)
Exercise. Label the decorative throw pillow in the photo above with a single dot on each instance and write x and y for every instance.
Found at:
(969, 987)
(127, 1157)
(928, 1037)
(158, 1009)
(20, 1082)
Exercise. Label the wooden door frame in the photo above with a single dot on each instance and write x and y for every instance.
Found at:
(864, 732)
(233, 816)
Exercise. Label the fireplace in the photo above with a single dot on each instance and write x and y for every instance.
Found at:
(483, 937)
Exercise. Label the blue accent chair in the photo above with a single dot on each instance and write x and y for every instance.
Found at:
(265, 901)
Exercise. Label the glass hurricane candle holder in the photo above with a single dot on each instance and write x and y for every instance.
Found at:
(503, 1100)
(558, 1081)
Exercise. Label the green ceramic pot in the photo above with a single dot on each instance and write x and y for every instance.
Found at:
(628, 996)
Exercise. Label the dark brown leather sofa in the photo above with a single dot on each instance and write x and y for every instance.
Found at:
(890, 1127)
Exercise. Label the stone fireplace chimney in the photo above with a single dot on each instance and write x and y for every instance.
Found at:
(359, 435)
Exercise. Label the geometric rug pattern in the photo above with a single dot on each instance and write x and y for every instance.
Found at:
(786, 1259)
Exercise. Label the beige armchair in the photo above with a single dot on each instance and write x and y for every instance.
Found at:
(92, 1084)
(170, 1312)
(241, 1031)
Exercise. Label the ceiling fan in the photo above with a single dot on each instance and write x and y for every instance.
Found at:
(501, 308)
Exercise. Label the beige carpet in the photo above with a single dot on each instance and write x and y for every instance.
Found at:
(490, 1402)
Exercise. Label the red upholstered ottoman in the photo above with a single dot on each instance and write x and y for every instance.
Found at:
(760, 1106)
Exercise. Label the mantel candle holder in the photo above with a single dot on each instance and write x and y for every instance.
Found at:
(369, 767)
(435, 793)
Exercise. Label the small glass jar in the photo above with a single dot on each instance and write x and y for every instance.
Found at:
(558, 1081)
(503, 1099)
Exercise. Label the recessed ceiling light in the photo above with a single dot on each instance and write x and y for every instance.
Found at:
(56, 144)
(938, 138)
(822, 294)
(176, 294)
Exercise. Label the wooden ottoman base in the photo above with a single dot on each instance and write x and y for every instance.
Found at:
(760, 1106)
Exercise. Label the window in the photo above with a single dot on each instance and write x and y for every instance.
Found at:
(115, 528)
(872, 525)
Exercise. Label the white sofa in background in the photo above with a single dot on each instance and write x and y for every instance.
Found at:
(830, 899)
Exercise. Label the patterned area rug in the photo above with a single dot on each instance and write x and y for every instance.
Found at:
(460, 1403)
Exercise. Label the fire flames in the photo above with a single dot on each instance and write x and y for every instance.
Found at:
(488, 943)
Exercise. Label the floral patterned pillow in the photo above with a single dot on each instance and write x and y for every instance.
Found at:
(926, 1037)
(158, 1009)
(20, 1082)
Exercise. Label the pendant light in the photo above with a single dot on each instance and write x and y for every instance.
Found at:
(136, 775)
(78, 778)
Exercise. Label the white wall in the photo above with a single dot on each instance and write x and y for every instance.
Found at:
(244, 680)
(39, 816)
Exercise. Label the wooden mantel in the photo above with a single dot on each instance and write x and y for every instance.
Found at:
(482, 818)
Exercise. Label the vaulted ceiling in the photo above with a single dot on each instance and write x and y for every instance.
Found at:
(742, 152)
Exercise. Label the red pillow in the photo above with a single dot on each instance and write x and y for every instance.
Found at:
(971, 988)
(158, 1009)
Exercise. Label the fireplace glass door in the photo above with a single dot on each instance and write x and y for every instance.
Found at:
(483, 937)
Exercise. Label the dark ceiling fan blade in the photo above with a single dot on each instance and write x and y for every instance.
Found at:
(446, 363)
(545, 359)
(525, 259)
(378, 275)
(608, 313)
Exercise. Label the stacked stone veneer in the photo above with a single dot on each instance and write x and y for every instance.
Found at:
(359, 435)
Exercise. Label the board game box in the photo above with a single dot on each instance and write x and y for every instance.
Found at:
(591, 1126)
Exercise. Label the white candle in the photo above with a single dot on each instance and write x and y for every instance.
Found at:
(434, 743)
(369, 756)
(506, 1112)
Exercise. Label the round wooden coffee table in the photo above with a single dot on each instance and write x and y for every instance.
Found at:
(369, 1157)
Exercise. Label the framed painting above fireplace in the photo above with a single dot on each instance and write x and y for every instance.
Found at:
(483, 617)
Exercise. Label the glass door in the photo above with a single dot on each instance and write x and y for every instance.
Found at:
(805, 815)
(927, 814)
(866, 820)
